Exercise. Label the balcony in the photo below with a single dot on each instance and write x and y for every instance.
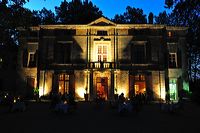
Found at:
(102, 65)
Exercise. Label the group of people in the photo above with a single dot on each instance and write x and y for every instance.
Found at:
(134, 104)
(64, 103)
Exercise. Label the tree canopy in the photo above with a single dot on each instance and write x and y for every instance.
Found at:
(186, 13)
(131, 16)
(77, 12)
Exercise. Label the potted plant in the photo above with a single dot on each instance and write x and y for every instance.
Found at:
(86, 94)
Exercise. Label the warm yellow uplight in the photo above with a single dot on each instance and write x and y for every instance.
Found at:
(163, 93)
(80, 92)
(160, 92)
(122, 90)
(42, 92)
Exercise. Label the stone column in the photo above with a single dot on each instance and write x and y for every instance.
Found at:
(91, 95)
(111, 92)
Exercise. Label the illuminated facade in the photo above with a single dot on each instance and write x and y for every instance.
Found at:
(103, 58)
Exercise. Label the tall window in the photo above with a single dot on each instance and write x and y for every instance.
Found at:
(102, 53)
(32, 59)
(173, 89)
(62, 53)
(172, 60)
(138, 54)
(63, 83)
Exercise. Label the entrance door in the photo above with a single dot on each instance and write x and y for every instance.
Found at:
(173, 89)
(139, 84)
(63, 83)
(140, 87)
(102, 87)
(30, 86)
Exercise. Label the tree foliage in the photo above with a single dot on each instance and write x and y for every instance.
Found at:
(131, 16)
(163, 18)
(186, 13)
(77, 12)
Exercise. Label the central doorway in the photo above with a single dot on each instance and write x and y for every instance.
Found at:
(102, 87)
(140, 87)
(139, 84)
(63, 83)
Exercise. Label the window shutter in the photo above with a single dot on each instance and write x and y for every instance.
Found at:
(179, 60)
(35, 58)
(148, 52)
(166, 59)
(25, 58)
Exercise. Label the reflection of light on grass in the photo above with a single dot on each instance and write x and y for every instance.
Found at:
(80, 92)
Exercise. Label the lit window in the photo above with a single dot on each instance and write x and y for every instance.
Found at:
(102, 53)
(61, 77)
(63, 83)
(137, 77)
(172, 89)
(99, 49)
(172, 60)
(99, 57)
(104, 58)
(66, 77)
(104, 49)
(32, 61)
(140, 77)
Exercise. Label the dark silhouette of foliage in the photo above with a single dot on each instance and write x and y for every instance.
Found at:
(131, 16)
(77, 12)
(150, 18)
(163, 18)
(47, 16)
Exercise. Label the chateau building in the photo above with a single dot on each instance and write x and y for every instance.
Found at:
(103, 58)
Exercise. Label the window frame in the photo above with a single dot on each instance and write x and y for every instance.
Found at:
(170, 59)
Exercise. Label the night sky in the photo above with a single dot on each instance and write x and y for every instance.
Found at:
(108, 7)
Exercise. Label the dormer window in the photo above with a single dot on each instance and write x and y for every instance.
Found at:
(102, 33)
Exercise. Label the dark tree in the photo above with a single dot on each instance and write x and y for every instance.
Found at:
(77, 12)
(150, 18)
(131, 16)
(187, 13)
(163, 18)
(47, 16)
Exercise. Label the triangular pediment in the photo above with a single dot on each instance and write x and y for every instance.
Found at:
(102, 22)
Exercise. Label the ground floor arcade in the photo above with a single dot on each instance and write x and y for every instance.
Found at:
(106, 83)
